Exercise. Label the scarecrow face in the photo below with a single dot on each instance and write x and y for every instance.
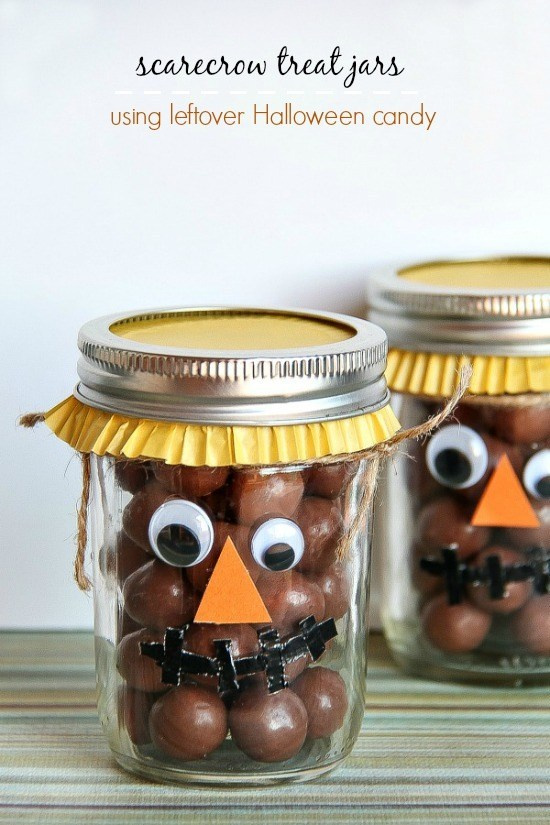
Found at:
(461, 460)
(235, 589)
(182, 534)
(482, 546)
(248, 560)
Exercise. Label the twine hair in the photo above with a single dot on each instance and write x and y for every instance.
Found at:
(374, 455)
(80, 576)
(31, 419)
(359, 523)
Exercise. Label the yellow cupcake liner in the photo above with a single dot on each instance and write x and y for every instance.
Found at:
(91, 430)
(435, 374)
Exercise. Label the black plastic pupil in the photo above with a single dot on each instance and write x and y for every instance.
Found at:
(178, 545)
(453, 466)
(279, 556)
(543, 487)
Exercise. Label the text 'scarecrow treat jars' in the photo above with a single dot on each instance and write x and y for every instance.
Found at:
(232, 455)
(467, 521)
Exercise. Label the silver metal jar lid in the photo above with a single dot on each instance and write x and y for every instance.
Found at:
(259, 367)
(497, 306)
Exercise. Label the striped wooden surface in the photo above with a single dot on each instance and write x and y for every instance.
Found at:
(428, 753)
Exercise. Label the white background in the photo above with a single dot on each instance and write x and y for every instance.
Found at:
(97, 219)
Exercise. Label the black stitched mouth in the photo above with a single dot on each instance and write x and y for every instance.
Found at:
(493, 574)
(275, 653)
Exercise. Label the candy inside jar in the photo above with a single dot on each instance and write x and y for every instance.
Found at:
(238, 631)
(481, 557)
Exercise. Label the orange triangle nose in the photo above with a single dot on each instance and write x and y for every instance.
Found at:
(504, 503)
(231, 596)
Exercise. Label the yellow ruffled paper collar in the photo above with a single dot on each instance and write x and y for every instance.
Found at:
(436, 375)
(90, 430)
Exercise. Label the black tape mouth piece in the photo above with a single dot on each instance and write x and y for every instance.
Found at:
(274, 654)
(493, 574)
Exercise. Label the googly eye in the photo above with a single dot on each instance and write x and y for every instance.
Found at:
(180, 533)
(457, 456)
(277, 544)
(536, 475)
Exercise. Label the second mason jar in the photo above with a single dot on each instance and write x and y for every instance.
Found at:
(230, 542)
(465, 527)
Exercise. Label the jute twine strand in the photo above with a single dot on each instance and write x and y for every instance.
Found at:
(374, 455)
(80, 576)
(82, 580)
(31, 419)
(359, 522)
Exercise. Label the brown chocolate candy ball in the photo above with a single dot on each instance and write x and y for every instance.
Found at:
(526, 537)
(424, 582)
(190, 482)
(189, 722)
(200, 638)
(132, 475)
(321, 523)
(515, 593)
(127, 625)
(133, 708)
(522, 425)
(323, 693)
(268, 727)
(137, 513)
(456, 628)
(531, 625)
(140, 671)
(329, 481)
(129, 556)
(255, 495)
(289, 597)
(216, 504)
(293, 669)
(126, 557)
(199, 574)
(446, 521)
(157, 595)
(334, 584)
(470, 415)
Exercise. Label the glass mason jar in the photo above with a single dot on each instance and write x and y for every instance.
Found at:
(231, 546)
(466, 527)
(230, 617)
